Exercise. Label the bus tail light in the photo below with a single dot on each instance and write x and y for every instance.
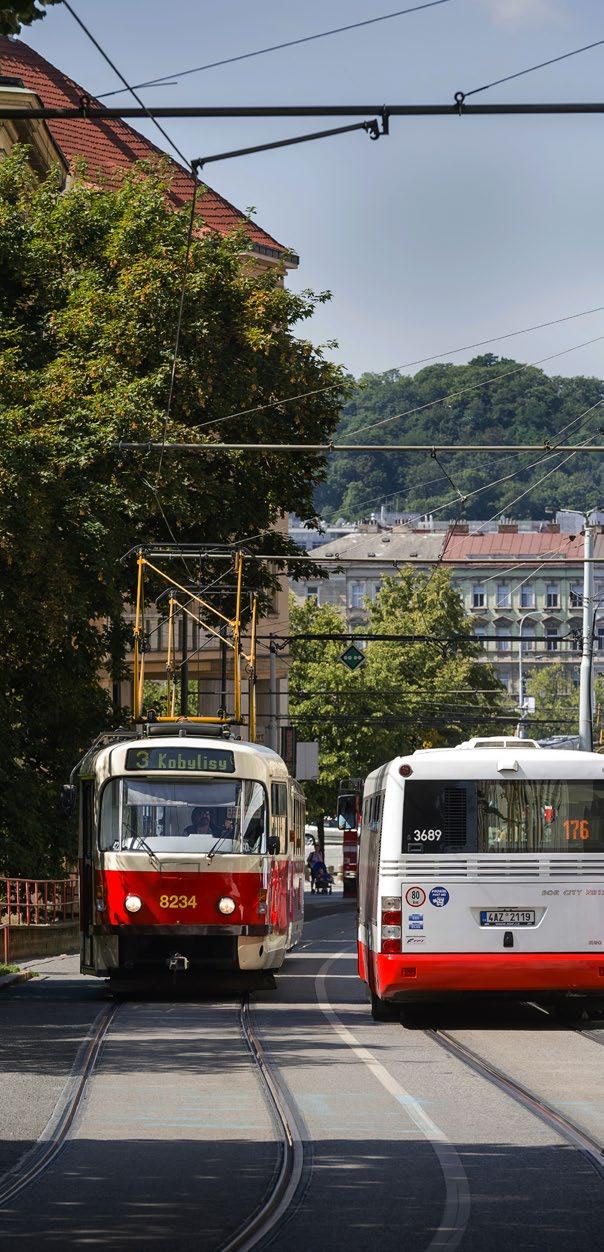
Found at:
(392, 921)
(262, 900)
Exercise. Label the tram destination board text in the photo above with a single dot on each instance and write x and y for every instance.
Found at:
(182, 760)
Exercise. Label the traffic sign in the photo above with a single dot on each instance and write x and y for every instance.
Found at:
(352, 657)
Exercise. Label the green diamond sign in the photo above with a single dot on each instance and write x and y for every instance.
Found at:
(352, 657)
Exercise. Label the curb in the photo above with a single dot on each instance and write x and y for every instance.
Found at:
(9, 980)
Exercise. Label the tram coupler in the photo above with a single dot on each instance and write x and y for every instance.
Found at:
(177, 964)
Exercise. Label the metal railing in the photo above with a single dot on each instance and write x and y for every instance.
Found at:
(38, 901)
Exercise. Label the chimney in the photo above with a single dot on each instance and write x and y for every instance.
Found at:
(507, 528)
(551, 528)
(460, 528)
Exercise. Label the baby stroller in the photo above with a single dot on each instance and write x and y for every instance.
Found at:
(321, 880)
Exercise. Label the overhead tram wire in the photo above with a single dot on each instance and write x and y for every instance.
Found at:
(290, 43)
(183, 158)
(126, 85)
(531, 69)
(343, 384)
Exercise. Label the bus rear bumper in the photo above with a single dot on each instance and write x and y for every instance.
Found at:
(403, 977)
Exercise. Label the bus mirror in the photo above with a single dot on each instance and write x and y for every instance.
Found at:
(274, 845)
(67, 800)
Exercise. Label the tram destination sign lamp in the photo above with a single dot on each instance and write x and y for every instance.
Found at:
(352, 657)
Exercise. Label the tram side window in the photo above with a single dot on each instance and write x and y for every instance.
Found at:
(279, 813)
(110, 829)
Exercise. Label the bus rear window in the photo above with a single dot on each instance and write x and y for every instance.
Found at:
(500, 816)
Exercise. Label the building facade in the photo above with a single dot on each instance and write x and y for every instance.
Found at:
(521, 587)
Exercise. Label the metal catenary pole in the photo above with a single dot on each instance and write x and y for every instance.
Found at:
(585, 683)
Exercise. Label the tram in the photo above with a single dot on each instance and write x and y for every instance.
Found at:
(191, 853)
(481, 869)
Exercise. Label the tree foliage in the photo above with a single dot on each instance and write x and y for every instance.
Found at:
(21, 13)
(522, 405)
(557, 698)
(89, 293)
(407, 695)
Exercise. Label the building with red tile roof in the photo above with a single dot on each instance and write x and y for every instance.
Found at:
(111, 147)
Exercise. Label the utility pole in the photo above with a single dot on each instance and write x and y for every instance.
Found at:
(272, 685)
(184, 668)
(585, 684)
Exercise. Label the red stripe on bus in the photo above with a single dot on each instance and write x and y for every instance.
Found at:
(469, 971)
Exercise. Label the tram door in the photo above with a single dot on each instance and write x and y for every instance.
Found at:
(86, 876)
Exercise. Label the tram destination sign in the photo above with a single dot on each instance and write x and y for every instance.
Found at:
(182, 760)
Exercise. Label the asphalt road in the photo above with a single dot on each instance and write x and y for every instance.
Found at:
(404, 1145)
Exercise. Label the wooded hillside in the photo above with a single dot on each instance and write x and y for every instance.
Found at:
(520, 405)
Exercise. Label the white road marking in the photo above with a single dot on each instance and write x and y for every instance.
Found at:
(457, 1192)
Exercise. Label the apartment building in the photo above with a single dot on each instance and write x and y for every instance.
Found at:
(516, 583)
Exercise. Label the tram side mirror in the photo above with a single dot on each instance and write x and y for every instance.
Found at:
(274, 845)
(67, 800)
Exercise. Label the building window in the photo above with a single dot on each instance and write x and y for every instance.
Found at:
(503, 596)
(480, 631)
(312, 591)
(576, 596)
(357, 595)
(478, 596)
(600, 638)
(551, 638)
(527, 596)
(503, 642)
(552, 596)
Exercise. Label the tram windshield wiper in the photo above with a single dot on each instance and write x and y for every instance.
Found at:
(138, 841)
(214, 848)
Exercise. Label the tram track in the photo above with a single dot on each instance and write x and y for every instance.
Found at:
(46, 1150)
(574, 1134)
(276, 1200)
(281, 1194)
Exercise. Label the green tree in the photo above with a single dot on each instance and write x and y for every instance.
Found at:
(89, 293)
(557, 698)
(21, 13)
(491, 400)
(407, 695)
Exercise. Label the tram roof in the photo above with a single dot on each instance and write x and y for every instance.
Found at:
(101, 756)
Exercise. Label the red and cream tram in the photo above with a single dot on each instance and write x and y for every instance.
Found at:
(191, 853)
(481, 869)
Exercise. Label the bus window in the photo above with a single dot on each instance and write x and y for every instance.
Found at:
(503, 816)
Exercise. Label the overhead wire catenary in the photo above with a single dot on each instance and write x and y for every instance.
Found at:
(278, 47)
(345, 383)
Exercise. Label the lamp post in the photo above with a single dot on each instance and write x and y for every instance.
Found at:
(585, 682)
(521, 710)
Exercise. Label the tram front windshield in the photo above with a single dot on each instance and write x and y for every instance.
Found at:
(183, 816)
(528, 815)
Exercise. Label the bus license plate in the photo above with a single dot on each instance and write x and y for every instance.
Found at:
(507, 917)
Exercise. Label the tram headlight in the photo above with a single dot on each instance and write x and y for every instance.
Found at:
(133, 904)
(226, 905)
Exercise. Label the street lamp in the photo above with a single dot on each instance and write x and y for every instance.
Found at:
(521, 701)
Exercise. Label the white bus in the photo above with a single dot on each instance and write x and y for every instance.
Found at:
(481, 869)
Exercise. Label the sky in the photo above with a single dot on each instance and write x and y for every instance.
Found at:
(446, 232)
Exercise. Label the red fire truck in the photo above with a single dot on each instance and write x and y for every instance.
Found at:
(350, 801)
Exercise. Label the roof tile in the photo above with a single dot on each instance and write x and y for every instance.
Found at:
(112, 146)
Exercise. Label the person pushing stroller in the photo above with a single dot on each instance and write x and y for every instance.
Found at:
(320, 878)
